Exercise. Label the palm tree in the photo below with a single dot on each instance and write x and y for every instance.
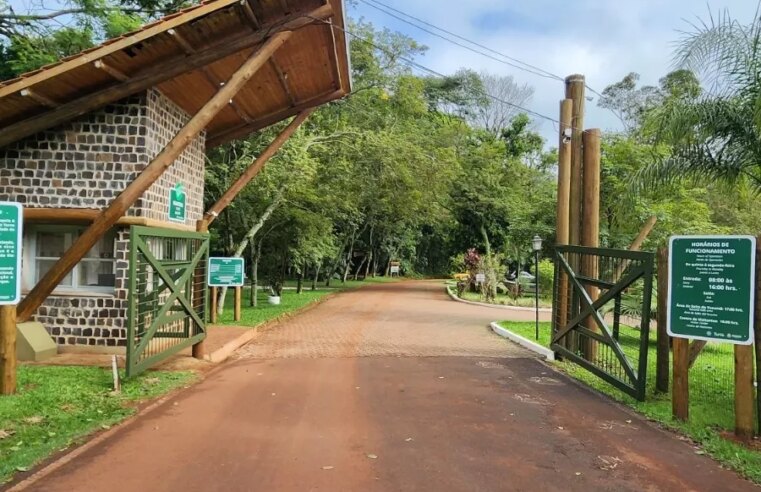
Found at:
(716, 136)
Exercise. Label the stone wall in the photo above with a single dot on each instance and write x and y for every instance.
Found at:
(85, 164)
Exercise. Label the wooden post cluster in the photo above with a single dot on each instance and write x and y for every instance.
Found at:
(590, 226)
(563, 205)
(7, 350)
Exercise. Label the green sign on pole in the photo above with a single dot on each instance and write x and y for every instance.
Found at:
(177, 208)
(711, 288)
(225, 272)
(11, 220)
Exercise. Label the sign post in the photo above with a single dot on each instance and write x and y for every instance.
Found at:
(226, 272)
(177, 204)
(711, 297)
(11, 222)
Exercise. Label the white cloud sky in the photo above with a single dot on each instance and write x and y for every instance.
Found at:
(602, 39)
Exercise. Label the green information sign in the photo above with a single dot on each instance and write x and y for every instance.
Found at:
(177, 208)
(11, 220)
(711, 288)
(225, 272)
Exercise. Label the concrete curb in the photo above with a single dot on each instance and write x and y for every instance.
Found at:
(495, 306)
(523, 342)
(226, 350)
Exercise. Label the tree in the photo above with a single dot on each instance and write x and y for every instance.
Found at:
(495, 112)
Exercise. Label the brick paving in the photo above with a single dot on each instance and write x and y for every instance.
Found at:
(412, 318)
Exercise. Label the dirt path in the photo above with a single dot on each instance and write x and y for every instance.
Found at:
(389, 388)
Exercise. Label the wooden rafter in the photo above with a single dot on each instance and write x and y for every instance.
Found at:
(119, 206)
(284, 6)
(334, 58)
(248, 12)
(117, 74)
(241, 130)
(154, 75)
(255, 167)
(36, 96)
(283, 78)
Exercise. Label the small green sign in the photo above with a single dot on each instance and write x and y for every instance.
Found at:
(177, 208)
(11, 220)
(225, 272)
(711, 288)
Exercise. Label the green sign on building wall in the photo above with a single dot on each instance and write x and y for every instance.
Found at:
(712, 288)
(11, 220)
(177, 208)
(225, 272)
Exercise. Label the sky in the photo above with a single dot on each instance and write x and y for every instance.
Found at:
(602, 39)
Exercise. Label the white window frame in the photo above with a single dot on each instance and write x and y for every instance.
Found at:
(29, 265)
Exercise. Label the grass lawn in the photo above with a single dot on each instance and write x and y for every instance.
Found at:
(711, 411)
(504, 299)
(56, 406)
(289, 301)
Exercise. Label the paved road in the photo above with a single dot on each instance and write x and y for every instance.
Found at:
(389, 388)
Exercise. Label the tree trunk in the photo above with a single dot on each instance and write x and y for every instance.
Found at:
(348, 258)
(316, 275)
(337, 262)
(300, 283)
(255, 274)
(359, 268)
(370, 253)
(248, 238)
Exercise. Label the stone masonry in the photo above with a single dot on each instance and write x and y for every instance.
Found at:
(86, 163)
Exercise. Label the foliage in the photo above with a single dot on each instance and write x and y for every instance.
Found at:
(546, 276)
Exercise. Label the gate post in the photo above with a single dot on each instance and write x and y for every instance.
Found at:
(744, 392)
(198, 350)
(7, 350)
(680, 394)
(662, 344)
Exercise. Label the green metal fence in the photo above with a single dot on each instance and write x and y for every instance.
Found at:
(601, 321)
(167, 294)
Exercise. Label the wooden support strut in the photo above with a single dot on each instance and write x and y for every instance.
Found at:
(255, 167)
(147, 177)
(154, 75)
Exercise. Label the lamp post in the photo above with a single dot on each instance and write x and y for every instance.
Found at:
(536, 244)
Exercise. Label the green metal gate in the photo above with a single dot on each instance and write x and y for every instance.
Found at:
(601, 313)
(167, 294)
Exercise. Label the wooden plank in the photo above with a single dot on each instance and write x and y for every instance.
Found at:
(87, 215)
(236, 307)
(757, 327)
(7, 350)
(41, 99)
(240, 131)
(334, 59)
(282, 77)
(153, 76)
(744, 392)
(680, 395)
(255, 167)
(117, 45)
(662, 342)
(113, 72)
(213, 308)
(249, 14)
(147, 177)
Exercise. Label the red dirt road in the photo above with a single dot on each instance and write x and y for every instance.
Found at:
(389, 388)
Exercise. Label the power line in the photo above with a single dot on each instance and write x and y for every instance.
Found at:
(430, 71)
(531, 68)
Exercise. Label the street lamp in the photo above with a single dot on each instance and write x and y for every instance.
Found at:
(536, 244)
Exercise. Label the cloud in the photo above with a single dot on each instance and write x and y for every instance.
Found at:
(602, 39)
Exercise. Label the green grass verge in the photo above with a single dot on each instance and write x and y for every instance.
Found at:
(504, 299)
(290, 301)
(711, 411)
(57, 405)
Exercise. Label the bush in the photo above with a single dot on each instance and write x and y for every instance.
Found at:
(546, 276)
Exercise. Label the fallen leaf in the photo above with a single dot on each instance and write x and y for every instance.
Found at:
(4, 434)
(22, 469)
(327, 467)
(151, 380)
(628, 421)
(408, 439)
(608, 462)
(105, 427)
(273, 394)
(578, 473)
(372, 456)
(441, 377)
(700, 451)
(35, 419)
(560, 427)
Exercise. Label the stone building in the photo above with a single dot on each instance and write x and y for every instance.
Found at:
(84, 164)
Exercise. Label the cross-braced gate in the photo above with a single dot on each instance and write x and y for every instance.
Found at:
(167, 294)
(601, 313)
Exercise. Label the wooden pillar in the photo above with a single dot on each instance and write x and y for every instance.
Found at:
(7, 350)
(744, 392)
(757, 326)
(564, 196)
(590, 230)
(213, 305)
(236, 309)
(255, 167)
(119, 206)
(574, 90)
(199, 294)
(662, 344)
(680, 394)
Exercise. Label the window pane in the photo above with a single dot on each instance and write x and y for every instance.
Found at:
(103, 248)
(51, 244)
(96, 273)
(42, 268)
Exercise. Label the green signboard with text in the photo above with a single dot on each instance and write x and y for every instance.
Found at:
(177, 204)
(712, 288)
(225, 272)
(11, 220)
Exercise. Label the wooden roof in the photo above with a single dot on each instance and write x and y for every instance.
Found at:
(187, 56)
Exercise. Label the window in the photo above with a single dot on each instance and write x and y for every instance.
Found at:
(46, 244)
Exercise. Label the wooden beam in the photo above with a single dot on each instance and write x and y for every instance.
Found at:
(148, 176)
(590, 232)
(7, 350)
(114, 47)
(155, 75)
(334, 59)
(282, 77)
(255, 167)
(284, 6)
(248, 12)
(88, 215)
(117, 74)
(636, 244)
(680, 393)
(662, 352)
(744, 392)
(575, 91)
(563, 203)
(36, 96)
(242, 130)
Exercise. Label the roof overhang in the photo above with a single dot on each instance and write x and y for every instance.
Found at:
(187, 56)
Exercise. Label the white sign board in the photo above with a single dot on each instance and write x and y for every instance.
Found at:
(395, 269)
(480, 278)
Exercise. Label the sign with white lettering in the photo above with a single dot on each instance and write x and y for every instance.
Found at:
(225, 272)
(711, 288)
(177, 202)
(11, 221)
